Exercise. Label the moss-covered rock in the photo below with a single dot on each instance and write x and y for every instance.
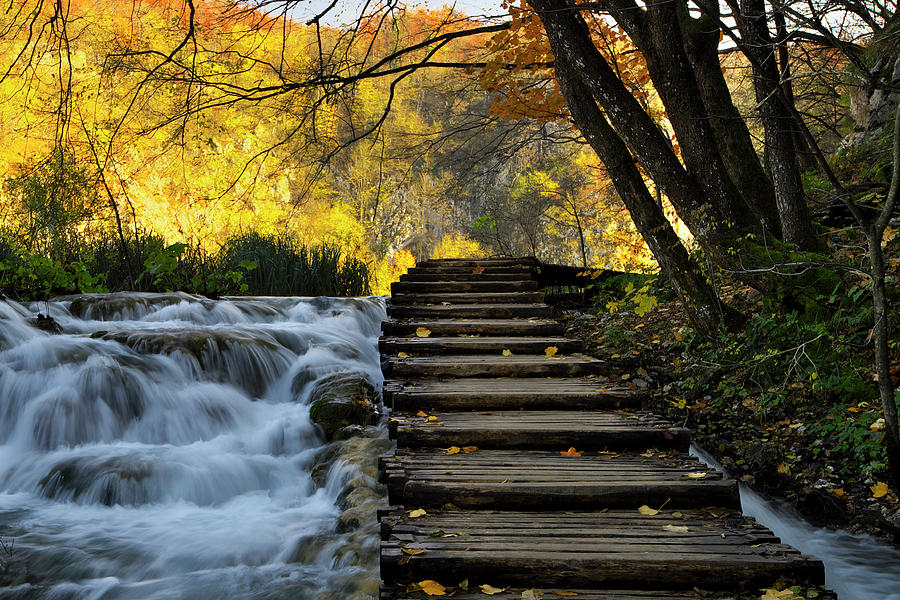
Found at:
(343, 400)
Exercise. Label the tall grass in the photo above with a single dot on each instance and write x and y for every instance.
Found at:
(252, 263)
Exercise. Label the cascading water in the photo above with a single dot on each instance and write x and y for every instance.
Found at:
(161, 447)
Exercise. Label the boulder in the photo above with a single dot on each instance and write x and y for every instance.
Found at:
(343, 400)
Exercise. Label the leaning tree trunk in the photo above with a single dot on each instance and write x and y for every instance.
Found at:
(699, 298)
(714, 227)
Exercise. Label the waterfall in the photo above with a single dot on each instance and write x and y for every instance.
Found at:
(161, 447)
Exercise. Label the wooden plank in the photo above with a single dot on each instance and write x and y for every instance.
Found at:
(404, 592)
(490, 365)
(552, 430)
(443, 275)
(469, 311)
(477, 345)
(506, 393)
(714, 552)
(526, 262)
(434, 287)
(469, 298)
(458, 327)
(533, 480)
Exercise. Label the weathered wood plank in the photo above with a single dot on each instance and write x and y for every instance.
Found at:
(507, 393)
(469, 311)
(401, 592)
(457, 327)
(486, 365)
(733, 551)
(477, 345)
(533, 480)
(469, 298)
(553, 430)
(469, 263)
(434, 287)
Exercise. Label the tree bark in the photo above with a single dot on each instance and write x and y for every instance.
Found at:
(777, 119)
(701, 42)
(716, 231)
(699, 298)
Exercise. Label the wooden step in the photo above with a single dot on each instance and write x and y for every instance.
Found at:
(719, 549)
(437, 287)
(465, 276)
(531, 480)
(489, 365)
(470, 311)
(510, 394)
(409, 591)
(470, 263)
(460, 327)
(478, 345)
(470, 298)
(538, 430)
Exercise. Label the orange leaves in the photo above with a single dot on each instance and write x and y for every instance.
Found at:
(879, 490)
(570, 452)
(423, 332)
(465, 450)
(550, 351)
(432, 588)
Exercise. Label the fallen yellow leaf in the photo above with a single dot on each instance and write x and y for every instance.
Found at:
(879, 489)
(452, 450)
(413, 551)
(878, 425)
(423, 332)
(696, 474)
(550, 351)
(570, 452)
(646, 510)
(402, 355)
(784, 469)
(431, 419)
(676, 528)
(837, 493)
(432, 588)
(491, 590)
(532, 594)
(601, 390)
(470, 449)
(418, 512)
(563, 593)
(648, 454)
(421, 413)
(773, 594)
(507, 352)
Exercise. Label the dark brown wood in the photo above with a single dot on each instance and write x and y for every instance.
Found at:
(617, 548)
(468, 298)
(534, 480)
(554, 430)
(466, 275)
(508, 393)
(478, 345)
(435, 287)
(515, 593)
(470, 311)
(457, 327)
(490, 365)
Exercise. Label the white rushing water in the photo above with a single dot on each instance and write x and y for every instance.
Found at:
(856, 567)
(161, 448)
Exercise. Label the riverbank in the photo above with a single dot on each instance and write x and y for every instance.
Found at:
(804, 451)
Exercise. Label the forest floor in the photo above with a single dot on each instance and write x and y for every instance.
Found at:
(779, 451)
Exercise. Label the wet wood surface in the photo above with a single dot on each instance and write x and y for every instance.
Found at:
(518, 466)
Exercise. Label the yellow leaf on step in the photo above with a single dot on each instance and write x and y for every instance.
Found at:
(418, 512)
(879, 490)
(646, 510)
(676, 528)
(432, 588)
(469, 449)
(507, 352)
(491, 590)
(570, 452)
(423, 332)
(431, 419)
(421, 413)
(402, 355)
(413, 551)
(784, 469)
(563, 593)
(696, 474)
(452, 450)
(550, 351)
(773, 594)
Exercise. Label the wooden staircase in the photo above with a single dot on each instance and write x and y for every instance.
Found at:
(522, 469)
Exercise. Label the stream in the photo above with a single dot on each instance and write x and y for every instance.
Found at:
(161, 448)
(857, 567)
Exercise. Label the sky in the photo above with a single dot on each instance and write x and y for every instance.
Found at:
(347, 10)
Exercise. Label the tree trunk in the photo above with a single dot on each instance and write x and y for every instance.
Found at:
(777, 121)
(570, 39)
(701, 42)
(699, 298)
